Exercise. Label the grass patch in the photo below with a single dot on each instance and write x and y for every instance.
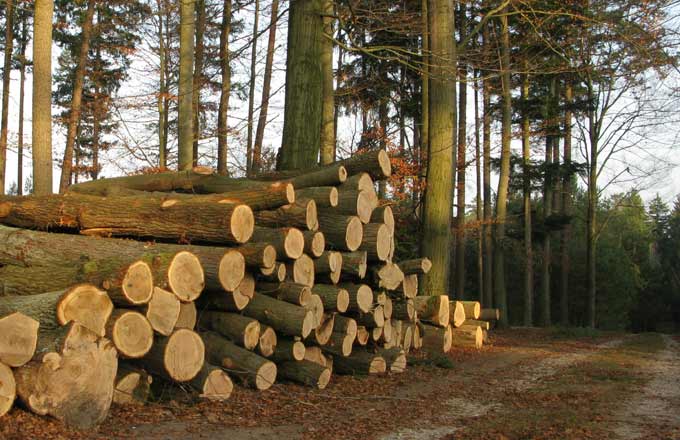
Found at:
(575, 333)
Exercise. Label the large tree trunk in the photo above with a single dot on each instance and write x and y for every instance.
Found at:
(425, 98)
(500, 293)
(266, 88)
(591, 221)
(487, 229)
(7, 73)
(251, 88)
(225, 90)
(304, 86)
(567, 185)
(185, 123)
(198, 75)
(548, 185)
(459, 266)
(22, 83)
(76, 98)
(436, 243)
(42, 97)
(162, 101)
(528, 246)
(479, 201)
(328, 106)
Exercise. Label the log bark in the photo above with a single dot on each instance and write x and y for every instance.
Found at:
(355, 263)
(178, 357)
(301, 271)
(284, 317)
(288, 350)
(288, 242)
(489, 314)
(315, 243)
(241, 330)
(294, 293)
(324, 196)
(18, 340)
(333, 297)
(345, 325)
(472, 337)
(359, 182)
(323, 332)
(8, 389)
(341, 232)
(328, 267)
(416, 266)
(175, 219)
(213, 383)
(355, 203)
(305, 372)
(267, 342)
(339, 344)
(472, 309)
(84, 304)
(132, 386)
(275, 274)
(163, 311)
(376, 242)
(360, 362)
(223, 268)
(258, 255)
(375, 162)
(372, 319)
(434, 309)
(224, 301)
(187, 316)
(249, 368)
(330, 175)
(315, 305)
(395, 358)
(315, 354)
(73, 384)
(476, 323)
(436, 339)
(360, 297)
(383, 214)
(388, 276)
(301, 214)
(130, 332)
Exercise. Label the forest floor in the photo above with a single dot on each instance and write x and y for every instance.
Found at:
(525, 384)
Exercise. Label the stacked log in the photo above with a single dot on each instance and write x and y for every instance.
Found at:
(288, 276)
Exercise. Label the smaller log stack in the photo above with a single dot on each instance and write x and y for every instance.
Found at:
(289, 276)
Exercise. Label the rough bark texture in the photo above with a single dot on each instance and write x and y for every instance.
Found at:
(288, 242)
(225, 91)
(301, 214)
(341, 232)
(186, 67)
(324, 196)
(239, 329)
(375, 162)
(213, 383)
(178, 357)
(305, 372)
(285, 318)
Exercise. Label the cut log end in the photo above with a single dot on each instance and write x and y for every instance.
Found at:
(290, 192)
(137, 286)
(298, 351)
(364, 298)
(18, 339)
(131, 333)
(132, 387)
(354, 234)
(184, 355)
(163, 311)
(185, 276)
(231, 270)
(269, 256)
(333, 197)
(266, 344)
(187, 316)
(7, 389)
(294, 243)
(266, 376)
(86, 305)
(217, 385)
(457, 313)
(385, 164)
(318, 244)
(383, 242)
(242, 223)
(343, 301)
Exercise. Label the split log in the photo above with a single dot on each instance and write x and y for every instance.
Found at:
(288, 242)
(472, 337)
(267, 342)
(476, 323)
(490, 314)
(456, 313)
(175, 219)
(248, 367)
(333, 297)
(284, 317)
(324, 196)
(257, 255)
(315, 305)
(239, 329)
(360, 362)
(416, 266)
(374, 162)
(301, 271)
(323, 332)
(360, 297)
(213, 383)
(71, 378)
(294, 293)
(187, 316)
(472, 309)
(178, 357)
(274, 274)
(131, 386)
(84, 304)
(341, 232)
(162, 312)
(355, 263)
(8, 389)
(434, 309)
(355, 203)
(383, 214)
(376, 241)
(223, 268)
(359, 182)
(18, 340)
(409, 287)
(301, 214)
(288, 350)
(404, 310)
(387, 276)
(130, 332)
(306, 373)
(395, 359)
(436, 339)
(333, 174)
(362, 335)
(328, 267)
(315, 243)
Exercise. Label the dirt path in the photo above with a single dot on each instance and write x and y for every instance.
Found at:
(655, 410)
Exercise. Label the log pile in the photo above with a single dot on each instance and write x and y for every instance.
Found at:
(189, 277)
